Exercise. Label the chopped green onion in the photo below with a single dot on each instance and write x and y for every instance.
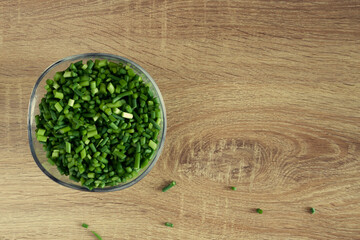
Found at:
(233, 188)
(99, 123)
(67, 74)
(155, 124)
(152, 144)
(96, 235)
(58, 107)
(68, 147)
(83, 153)
(111, 88)
(168, 224)
(173, 183)
(41, 132)
(59, 95)
(55, 154)
(84, 225)
(259, 210)
(41, 138)
(65, 130)
(137, 160)
(312, 210)
(113, 125)
(71, 102)
(127, 115)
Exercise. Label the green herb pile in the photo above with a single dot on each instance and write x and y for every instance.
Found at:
(99, 123)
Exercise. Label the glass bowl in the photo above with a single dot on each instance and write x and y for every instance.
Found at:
(39, 92)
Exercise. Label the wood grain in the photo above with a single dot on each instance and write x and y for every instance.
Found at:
(261, 95)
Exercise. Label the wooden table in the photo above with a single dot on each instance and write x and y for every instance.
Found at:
(261, 95)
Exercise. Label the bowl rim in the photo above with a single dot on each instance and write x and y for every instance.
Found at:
(104, 56)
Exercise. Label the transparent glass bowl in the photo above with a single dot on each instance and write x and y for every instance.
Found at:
(39, 92)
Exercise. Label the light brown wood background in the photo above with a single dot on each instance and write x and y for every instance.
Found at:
(261, 95)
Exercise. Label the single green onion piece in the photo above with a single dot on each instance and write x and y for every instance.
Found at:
(126, 115)
(102, 88)
(96, 235)
(71, 102)
(168, 224)
(67, 74)
(57, 76)
(41, 138)
(144, 163)
(102, 63)
(86, 98)
(92, 85)
(92, 133)
(79, 148)
(113, 126)
(55, 154)
(59, 95)
(124, 94)
(83, 153)
(116, 111)
(111, 88)
(122, 82)
(65, 130)
(233, 188)
(94, 91)
(173, 183)
(84, 225)
(84, 66)
(90, 64)
(41, 132)
(155, 124)
(114, 77)
(259, 210)
(84, 83)
(96, 117)
(58, 107)
(137, 161)
(312, 210)
(108, 111)
(92, 147)
(152, 144)
(68, 147)
(119, 154)
(56, 85)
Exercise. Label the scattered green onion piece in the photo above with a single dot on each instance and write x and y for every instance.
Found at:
(312, 210)
(173, 183)
(168, 224)
(96, 235)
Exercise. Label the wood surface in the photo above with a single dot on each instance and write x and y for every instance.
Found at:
(262, 95)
